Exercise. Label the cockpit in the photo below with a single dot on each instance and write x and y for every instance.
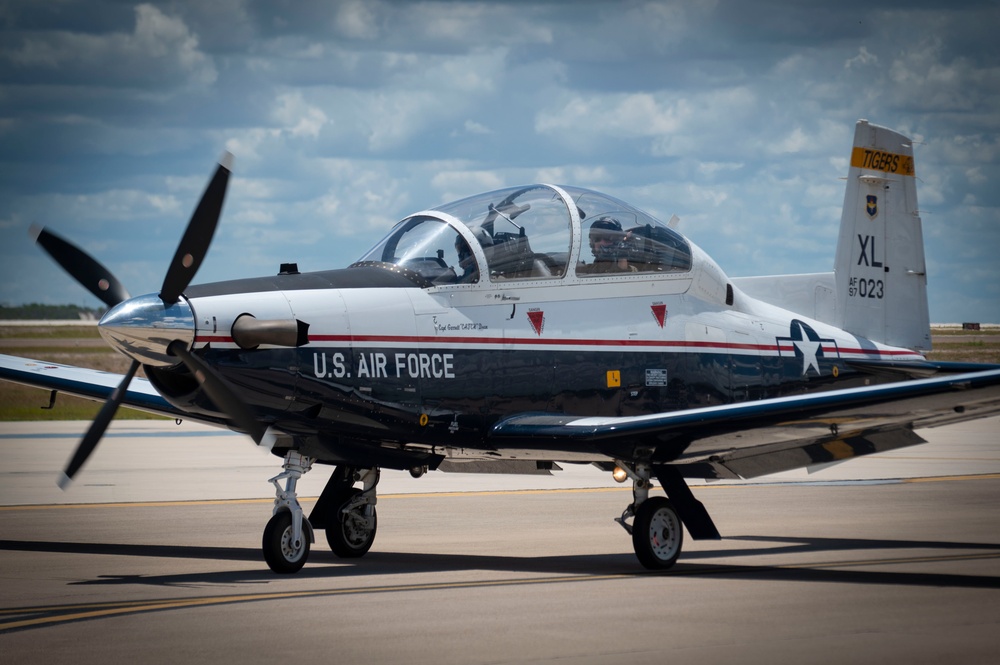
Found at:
(534, 232)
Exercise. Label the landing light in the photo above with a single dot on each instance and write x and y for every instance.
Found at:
(619, 474)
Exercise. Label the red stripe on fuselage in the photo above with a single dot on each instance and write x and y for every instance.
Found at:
(526, 341)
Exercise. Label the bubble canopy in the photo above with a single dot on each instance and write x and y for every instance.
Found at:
(528, 233)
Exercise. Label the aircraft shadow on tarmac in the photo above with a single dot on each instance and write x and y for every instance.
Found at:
(863, 552)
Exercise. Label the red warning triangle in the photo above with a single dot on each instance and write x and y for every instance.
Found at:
(660, 312)
(537, 319)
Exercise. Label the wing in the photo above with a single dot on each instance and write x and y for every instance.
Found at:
(90, 384)
(752, 439)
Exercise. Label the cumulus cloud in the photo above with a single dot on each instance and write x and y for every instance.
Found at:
(861, 59)
(356, 19)
(473, 127)
(714, 168)
(928, 76)
(453, 185)
(626, 115)
(160, 50)
(297, 117)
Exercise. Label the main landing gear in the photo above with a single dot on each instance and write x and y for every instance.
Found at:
(657, 534)
(347, 513)
(657, 522)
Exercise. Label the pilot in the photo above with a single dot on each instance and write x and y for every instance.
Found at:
(609, 243)
(466, 271)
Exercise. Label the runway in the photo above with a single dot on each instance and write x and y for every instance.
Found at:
(153, 555)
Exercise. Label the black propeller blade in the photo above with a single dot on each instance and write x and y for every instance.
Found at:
(198, 236)
(219, 391)
(82, 267)
(98, 427)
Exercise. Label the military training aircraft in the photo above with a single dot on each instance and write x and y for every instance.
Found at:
(530, 326)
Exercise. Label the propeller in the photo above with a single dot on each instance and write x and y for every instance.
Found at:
(187, 259)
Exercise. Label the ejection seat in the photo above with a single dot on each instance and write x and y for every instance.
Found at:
(510, 257)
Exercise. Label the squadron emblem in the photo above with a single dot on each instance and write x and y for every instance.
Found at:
(871, 207)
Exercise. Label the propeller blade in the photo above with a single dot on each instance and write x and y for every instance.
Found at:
(198, 236)
(219, 391)
(98, 427)
(82, 267)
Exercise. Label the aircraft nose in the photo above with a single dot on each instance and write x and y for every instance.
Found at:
(143, 327)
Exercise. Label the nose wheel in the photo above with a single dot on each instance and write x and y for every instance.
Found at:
(283, 552)
(288, 534)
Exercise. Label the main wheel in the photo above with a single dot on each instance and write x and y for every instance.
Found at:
(657, 534)
(280, 552)
(348, 535)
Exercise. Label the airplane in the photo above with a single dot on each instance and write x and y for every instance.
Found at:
(520, 329)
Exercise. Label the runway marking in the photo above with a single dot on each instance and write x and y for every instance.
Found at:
(60, 614)
(130, 434)
(480, 493)
(308, 499)
(986, 476)
(102, 610)
(882, 562)
(921, 458)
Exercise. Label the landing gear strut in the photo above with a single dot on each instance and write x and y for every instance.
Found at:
(288, 534)
(657, 534)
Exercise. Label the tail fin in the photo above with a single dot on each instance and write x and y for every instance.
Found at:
(879, 269)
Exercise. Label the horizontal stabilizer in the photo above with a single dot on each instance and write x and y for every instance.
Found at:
(914, 370)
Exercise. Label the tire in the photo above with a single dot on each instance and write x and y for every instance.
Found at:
(346, 537)
(280, 555)
(657, 534)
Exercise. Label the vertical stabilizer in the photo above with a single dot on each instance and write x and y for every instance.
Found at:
(880, 271)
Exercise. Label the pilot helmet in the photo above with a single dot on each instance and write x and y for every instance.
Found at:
(606, 236)
(462, 248)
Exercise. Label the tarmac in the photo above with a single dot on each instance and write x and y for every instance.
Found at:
(153, 555)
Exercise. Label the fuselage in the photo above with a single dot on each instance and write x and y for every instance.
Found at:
(439, 366)
(451, 324)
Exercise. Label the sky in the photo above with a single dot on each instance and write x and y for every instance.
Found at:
(346, 116)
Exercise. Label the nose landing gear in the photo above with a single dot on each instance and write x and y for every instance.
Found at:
(288, 534)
